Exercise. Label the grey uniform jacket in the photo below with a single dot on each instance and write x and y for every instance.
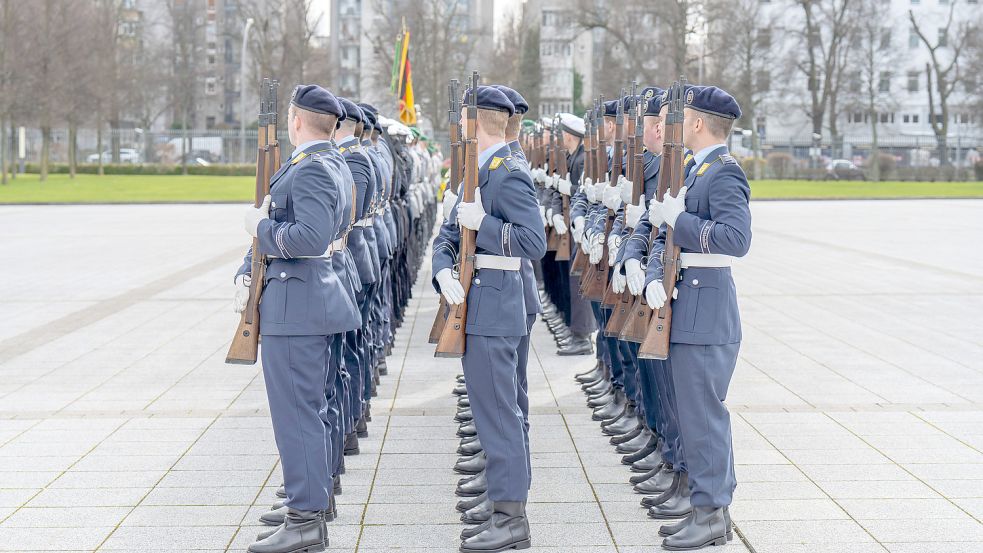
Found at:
(717, 220)
(303, 295)
(529, 288)
(361, 168)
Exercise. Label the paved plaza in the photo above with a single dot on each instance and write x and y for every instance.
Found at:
(857, 404)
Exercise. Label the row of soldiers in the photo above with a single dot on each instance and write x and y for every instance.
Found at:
(342, 232)
(664, 412)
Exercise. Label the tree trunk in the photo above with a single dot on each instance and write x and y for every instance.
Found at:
(4, 153)
(99, 145)
(45, 149)
(184, 142)
(72, 148)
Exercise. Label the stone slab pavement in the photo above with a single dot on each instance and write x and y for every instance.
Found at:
(857, 405)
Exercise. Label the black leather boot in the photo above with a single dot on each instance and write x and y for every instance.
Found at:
(383, 368)
(653, 500)
(598, 389)
(463, 401)
(460, 390)
(647, 463)
(471, 447)
(473, 487)
(625, 424)
(300, 531)
(336, 484)
(649, 448)
(671, 529)
(467, 429)
(578, 345)
(597, 381)
(602, 399)
(635, 445)
(351, 444)
(281, 492)
(659, 483)
(464, 415)
(475, 530)
(627, 437)
(362, 428)
(471, 465)
(469, 503)
(479, 513)
(636, 478)
(706, 527)
(678, 505)
(612, 409)
(509, 529)
(329, 516)
(589, 376)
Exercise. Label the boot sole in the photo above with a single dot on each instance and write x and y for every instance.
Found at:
(459, 493)
(722, 540)
(350, 452)
(524, 544)
(467, 472)
(662, 516)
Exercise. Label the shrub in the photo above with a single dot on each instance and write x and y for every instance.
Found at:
(978, 169)
(780, 164)
(887, 164)
(748, 163)
(147, 169)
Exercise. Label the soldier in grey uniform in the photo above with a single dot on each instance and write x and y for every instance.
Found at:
(711, 222)
(304, 304)
(505, 217)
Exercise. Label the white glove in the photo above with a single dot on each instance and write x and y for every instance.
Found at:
(626, 189)
(596, 247)
(559, 225)
(241, 297)
(585, 242)
(450, 198)
(613, 242)
(564, 185)
(589, 189)
(470, 214)
(633, 213)
(599, 191)
(450, 287)
(635, 275)
(655, 213)
(618, 280)
(577, 229)
(542, 215)
(538, 176)
(256, 214)
(551, 182)
(655, 294)
(612, 197)
(672, 207)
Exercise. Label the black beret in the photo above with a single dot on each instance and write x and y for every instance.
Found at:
(712, 100)
(312, 97)
(352, 112)
(611, 108)
(521, 106)
(369, 108)
(367, 115)
(652, 96)
(491, 98)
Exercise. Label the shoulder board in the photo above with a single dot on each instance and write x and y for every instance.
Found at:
(299, 158)
(495, 162)
(511, 163)
(728, 159)
(343, 149)
(703, 169)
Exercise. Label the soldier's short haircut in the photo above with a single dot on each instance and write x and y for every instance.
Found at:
(718, 126)
(512, 128)
(348, 124)
(320, 123)
(492, 121)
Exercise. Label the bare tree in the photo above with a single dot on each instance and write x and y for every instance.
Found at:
(13, 58)
(186, 44)
(943, 71)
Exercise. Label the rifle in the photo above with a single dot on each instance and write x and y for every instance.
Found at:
(454, 122)
(580, 263)
(244, 349)
(596, 282)
(671, 177)
(560, 163)
(609, 298)
(553, 237)
(453, 337)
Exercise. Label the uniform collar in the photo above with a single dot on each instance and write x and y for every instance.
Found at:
(514, 147)
(303, 147)
(349, 140)
(702, 155)
(485, 156)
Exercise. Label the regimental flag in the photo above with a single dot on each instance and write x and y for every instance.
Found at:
(402, 79)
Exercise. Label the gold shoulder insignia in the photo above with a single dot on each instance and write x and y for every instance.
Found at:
(687, 158)
(298, 158)
(703, 169)
(342, 150)
(495, 162)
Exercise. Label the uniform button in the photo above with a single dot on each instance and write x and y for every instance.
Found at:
(696, 282)
(283, 275)
(477, 281)
(272, 204)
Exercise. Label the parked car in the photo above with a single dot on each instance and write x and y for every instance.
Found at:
(126, 155)
(844, 169)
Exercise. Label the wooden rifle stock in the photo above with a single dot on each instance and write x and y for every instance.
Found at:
(597, 274)
(453, 337)
(656, 343)
(244, 349)
(454, 178)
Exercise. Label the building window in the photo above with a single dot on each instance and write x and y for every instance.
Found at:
(964, 118)
(943, 37)
(906, 118)
(210, 86)
(913, 81)
(857, 118)
(210, 122)
(885, 39)
(916, 2)
(914, 118)
(856, 82)
(884, 84)
(937, 119)
(886, 118)
(913, 39)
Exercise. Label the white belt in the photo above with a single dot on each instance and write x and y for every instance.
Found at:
(364, 222)
(500, 262)
(335, 246)
(687, 260)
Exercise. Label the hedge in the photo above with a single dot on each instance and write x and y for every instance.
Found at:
(225, 170)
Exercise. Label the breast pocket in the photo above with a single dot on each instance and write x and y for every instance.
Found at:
(286, 298)
(699, 298)
(484, 296)
(692, 203)
(278, 206)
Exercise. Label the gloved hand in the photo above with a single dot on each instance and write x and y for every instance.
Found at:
(596, 247)
(577, 229)
(655, 213)
(618, 280)
(538, 176)
(564, 185)
(450, 287)
(614, 241)
(558, 224)
(585, 241)
(672, 207)
(241, 297)
(588, 187)
(256, 214)
(542, 215)
(612, 197)
(599, 191)
(635, 275)
(450, 198)
(470, 214)
(633, 213)
(627, 187)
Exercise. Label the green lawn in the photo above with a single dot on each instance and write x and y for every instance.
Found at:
(191, 189)
(126, 189)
